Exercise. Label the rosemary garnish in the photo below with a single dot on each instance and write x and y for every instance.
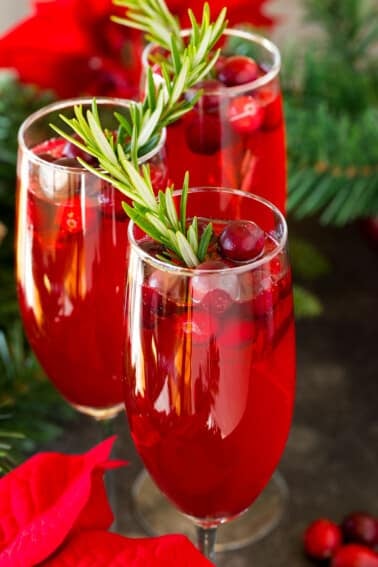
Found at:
(162, 105)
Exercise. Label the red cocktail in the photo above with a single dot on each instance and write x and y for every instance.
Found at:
(71, 251)
(210, 364)
(234, 137)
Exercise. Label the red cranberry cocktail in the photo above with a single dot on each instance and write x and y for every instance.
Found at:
(71, 249)
(210, 369)
(234, 137)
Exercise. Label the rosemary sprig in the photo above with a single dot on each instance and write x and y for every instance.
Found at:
(163, 104)
(151, 17)
(161, 28)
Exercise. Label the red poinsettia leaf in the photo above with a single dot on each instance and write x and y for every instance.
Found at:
(63, 45)
(104, 549)
(48, 497)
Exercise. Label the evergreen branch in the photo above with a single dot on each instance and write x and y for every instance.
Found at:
(163, 104)
(334, 172)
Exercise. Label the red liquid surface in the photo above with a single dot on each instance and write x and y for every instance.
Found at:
(210, 388)
(238, 143)
(71, 266)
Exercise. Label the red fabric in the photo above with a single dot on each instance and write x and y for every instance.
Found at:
(54, 513)
(72, 47)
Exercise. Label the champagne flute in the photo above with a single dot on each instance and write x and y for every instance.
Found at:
(210, 362)
(234, 137)
(71, 245)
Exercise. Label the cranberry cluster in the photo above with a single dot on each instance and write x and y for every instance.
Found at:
(217, 118)
(350, 544)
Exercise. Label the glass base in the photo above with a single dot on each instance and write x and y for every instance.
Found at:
(100, 414)
(158, 516)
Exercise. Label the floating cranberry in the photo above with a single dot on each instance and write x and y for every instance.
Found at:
(322, 538)
(46, 157)
(159, 176)
(245, 114)
(210, 99)
(203, 134)
(216, 301)
(168, 285)
(53, 147)
(264, 301)
(354, 555)
(67, 162)
(241, 241)
(238, 70)
(72, 151)
(361, 527)
(214, 292)
(270, 99)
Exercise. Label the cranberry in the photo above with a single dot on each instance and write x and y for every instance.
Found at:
(322, 538)
(264, 302)
(203, 134)
(369, 227)
(214, 292)
(216, 301)
(159, 176)
(354, 555)
(241, 241)
(169, 285)
(46, 157)
(210, 99)
(238, 70)
(67, 162)
(73, 152)
(361, 528)
(245, 114)
(53, 147)
(271, 102)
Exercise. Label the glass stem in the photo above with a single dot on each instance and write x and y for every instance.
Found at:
(206, 541)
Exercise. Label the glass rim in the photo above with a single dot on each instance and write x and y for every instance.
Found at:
(251, 85)
(70, 102)
(237, 268)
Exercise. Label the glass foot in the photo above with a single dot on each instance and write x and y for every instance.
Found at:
(158, 516)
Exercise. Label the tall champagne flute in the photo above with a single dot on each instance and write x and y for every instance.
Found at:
(71, 245)
(234, 137)
(210, 363)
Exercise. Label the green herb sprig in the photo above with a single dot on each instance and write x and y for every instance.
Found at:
(151, 17)
(163, 104)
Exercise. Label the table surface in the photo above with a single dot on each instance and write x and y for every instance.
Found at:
(330, 462)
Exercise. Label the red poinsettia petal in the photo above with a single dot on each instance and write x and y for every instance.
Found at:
(104, 549)
(48, 497)
(59, 46)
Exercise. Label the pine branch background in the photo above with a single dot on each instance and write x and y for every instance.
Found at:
(331, 96)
